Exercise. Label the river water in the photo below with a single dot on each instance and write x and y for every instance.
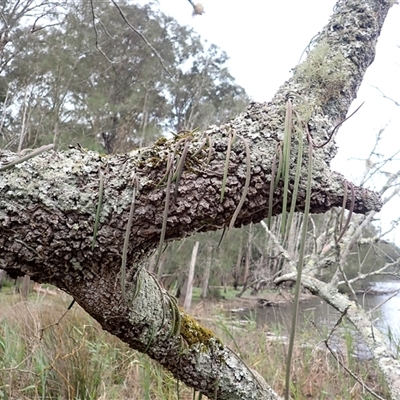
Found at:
(316, 315)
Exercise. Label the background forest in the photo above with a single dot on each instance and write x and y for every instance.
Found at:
(117, 77)
(82, 75)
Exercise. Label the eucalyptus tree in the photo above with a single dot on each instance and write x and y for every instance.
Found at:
(88, 223)
(20, 22)
(91, 78)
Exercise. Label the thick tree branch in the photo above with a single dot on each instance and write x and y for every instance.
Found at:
(48, 205)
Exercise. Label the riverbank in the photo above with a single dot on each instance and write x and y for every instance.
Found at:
(229, 302)
(43, 356)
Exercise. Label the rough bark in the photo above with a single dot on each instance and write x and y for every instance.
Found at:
(48, 205)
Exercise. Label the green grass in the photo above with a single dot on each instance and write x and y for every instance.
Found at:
(76, 360)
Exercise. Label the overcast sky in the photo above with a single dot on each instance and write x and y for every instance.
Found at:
(265, 39)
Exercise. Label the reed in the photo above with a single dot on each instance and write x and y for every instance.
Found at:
(76, 360)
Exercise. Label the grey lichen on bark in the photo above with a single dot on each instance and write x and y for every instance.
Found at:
(48, 205)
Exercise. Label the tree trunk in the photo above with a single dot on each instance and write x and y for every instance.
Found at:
(24, 288)
(2, 276)
(237, 270)
(206, 273)
(51, 231)
(247, 260)
(189, 289)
